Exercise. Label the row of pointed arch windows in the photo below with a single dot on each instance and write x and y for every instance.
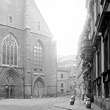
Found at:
(10, 53)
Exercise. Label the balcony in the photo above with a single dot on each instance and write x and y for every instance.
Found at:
(86, 50)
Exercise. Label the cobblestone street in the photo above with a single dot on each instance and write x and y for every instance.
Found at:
(58, 103)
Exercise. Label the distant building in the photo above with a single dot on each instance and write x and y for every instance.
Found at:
(27, 53)
(66, 75)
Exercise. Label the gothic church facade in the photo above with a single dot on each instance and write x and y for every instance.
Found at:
(27, 51)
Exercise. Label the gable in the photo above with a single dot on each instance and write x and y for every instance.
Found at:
(34, 19)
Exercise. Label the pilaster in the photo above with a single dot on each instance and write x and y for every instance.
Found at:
(102, 63)
(27, 86)
(96, 64)
(109, 45)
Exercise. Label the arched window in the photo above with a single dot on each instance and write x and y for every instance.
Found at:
(38, 57)
(10, 50)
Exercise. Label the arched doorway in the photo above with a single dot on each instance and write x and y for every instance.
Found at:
(10, 84)
(9, 87)
(10, 91)
(39, 87)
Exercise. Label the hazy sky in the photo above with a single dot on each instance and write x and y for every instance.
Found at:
(65, 19)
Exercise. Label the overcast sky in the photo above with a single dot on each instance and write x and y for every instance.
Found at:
(65, 19)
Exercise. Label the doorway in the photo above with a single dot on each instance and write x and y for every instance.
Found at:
(9, 91)
(39, 87)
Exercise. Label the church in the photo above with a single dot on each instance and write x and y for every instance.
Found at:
(27, 52)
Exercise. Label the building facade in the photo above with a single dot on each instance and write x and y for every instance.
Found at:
(80, 82)
(95, 52)
(27, 51)
(66, 75)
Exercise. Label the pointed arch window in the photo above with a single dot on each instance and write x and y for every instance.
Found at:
(10, 50)
(38, 57)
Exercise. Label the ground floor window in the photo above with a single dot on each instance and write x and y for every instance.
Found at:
(94, 89)
(107, 89)
(99, 90)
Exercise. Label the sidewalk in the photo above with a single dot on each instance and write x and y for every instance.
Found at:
(95, 107)
(79, 105)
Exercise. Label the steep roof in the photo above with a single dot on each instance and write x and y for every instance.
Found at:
(24, 13)
(34, 19)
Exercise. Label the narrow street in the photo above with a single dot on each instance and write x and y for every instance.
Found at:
(58, 103)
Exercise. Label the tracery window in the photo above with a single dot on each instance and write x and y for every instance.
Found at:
(9, 50)
(38, 57)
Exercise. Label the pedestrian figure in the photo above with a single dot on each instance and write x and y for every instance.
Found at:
(72, 100)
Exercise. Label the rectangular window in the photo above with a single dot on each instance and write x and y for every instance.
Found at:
(62, 90)
(61, 84)
(99, 90)
(105, 53)
(94, 66)
(94, 89)
(61, 75)
(106, 86)
(99, 60)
